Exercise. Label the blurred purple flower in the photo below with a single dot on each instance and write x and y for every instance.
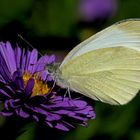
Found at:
(91, 10)
(25, 93)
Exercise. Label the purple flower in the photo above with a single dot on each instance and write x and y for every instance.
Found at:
(25, 93)
(91, 10)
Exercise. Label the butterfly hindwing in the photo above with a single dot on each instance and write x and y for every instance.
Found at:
(111, 75)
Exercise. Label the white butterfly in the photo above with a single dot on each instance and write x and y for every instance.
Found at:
(106, 66)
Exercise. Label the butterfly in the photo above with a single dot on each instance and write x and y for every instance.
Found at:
(106, 66)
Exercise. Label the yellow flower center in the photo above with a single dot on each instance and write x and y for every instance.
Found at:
(39, 87)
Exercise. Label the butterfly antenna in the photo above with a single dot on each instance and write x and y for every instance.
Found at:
(27, 42)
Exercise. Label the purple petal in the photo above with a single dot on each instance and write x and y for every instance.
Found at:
(2, 92)
(18, 57)
(26, 60)
(39, 110)
(52, 117)
(50, 59)
(49, 124)
(65, 112)
(9, 56)
(18, 80)
(9, 90)
(23, 113)
(35, 117)
(29, 86)
(79, 103)
(79, 118)
(3, 113)
(4, 71)
(13, 103)
(23, 60)
(6, 104)
(32, 60)
(61, 126)
(43, 75)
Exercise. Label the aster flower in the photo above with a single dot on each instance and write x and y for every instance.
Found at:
(25, 93)
(91, 10)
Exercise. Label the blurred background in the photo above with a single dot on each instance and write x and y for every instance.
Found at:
(55, 27)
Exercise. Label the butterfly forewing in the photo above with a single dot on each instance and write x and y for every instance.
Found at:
(125, 33)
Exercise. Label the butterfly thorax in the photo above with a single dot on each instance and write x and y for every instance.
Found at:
(55, 72)
(53, 69)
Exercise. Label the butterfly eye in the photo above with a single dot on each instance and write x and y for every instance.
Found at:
(50, 68)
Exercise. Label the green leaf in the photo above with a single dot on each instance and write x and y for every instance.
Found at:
(27, 132)
(10, 10)
(53, 17)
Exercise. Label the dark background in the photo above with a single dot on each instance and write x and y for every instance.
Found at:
(56, 26)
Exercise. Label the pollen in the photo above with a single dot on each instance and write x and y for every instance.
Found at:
(39, 87)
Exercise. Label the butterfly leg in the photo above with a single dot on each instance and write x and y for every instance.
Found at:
(67, 92)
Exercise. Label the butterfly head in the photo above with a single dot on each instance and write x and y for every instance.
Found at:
(55, 72)
(53, 68)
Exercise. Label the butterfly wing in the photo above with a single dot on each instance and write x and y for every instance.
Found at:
(106, 66)
(124, 33)
(111, 75)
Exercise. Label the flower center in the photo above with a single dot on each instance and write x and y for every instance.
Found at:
(39, 87)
